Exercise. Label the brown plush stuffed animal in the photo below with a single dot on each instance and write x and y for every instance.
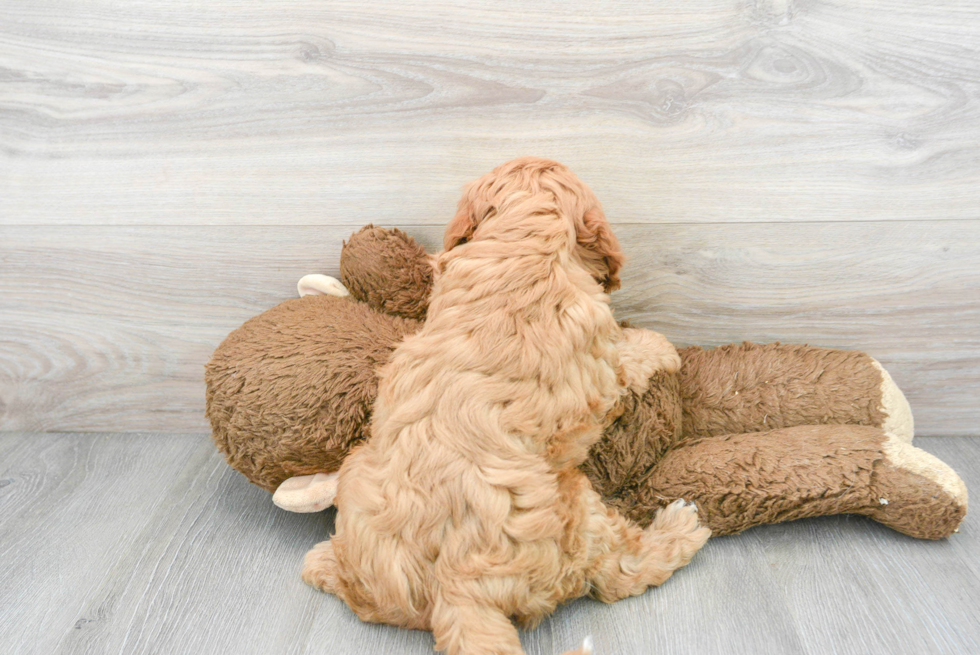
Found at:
(752, 433)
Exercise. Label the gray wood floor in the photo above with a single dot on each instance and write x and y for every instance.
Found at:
(149, 543)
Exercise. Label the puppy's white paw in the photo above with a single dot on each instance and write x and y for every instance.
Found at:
(320, 285)
(679, 523)
(679, 515)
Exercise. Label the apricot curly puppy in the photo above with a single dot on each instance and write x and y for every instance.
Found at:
(465, 508)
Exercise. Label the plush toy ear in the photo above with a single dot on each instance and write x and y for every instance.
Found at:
(597, 238)
(315, 284)
(307, 493)
(463, 225)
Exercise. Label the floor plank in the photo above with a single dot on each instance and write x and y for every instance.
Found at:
(215, 571)
(108, 328)
(149, 543)
(72, 509)
(176, 112)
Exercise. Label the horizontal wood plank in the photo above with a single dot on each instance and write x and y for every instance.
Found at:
(344, 112)
(108, 328)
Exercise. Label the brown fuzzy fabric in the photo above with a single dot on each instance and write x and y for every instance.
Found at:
(649, 425)
(290, 392)
(916, 505)
(740, 481)
(388, 270)
(752, 388)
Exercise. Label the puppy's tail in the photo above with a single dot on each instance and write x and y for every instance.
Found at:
(466, 627)
(320, 567)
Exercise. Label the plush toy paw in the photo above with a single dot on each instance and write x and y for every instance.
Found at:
(307, 493)
(917, 493)
(320, 285)
(898, 414)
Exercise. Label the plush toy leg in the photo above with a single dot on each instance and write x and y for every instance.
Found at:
(749, 387)
(306, 493)
(739, 481)
(320, 285)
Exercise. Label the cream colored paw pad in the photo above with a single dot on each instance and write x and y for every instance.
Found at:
(307, 493)
(898, 420)
(902, 455)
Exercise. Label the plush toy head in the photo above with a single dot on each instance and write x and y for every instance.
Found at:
(387, 270)
(290, 392)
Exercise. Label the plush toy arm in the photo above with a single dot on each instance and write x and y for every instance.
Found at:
(387, 270)
(739, 481)
(751, 388)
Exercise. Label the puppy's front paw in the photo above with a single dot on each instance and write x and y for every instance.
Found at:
(679, 523)
(644, 352)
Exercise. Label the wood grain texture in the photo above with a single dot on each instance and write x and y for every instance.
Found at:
(297, 112)
(151, 544)
(71, 510)
(108, 328)
(866, 604)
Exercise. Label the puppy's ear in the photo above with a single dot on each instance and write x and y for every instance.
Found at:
(461, 228)
(597, 238)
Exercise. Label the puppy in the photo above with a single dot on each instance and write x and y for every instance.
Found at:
(465, 508)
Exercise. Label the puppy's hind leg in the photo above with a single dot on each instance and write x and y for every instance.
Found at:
(467, 629)
(637, 559)
(320, 567)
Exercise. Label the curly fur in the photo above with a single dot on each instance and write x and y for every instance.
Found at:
(465, 507)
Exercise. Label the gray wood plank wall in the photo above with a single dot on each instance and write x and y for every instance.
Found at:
(795, 171)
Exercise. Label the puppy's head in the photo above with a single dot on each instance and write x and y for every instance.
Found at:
(540, 199)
